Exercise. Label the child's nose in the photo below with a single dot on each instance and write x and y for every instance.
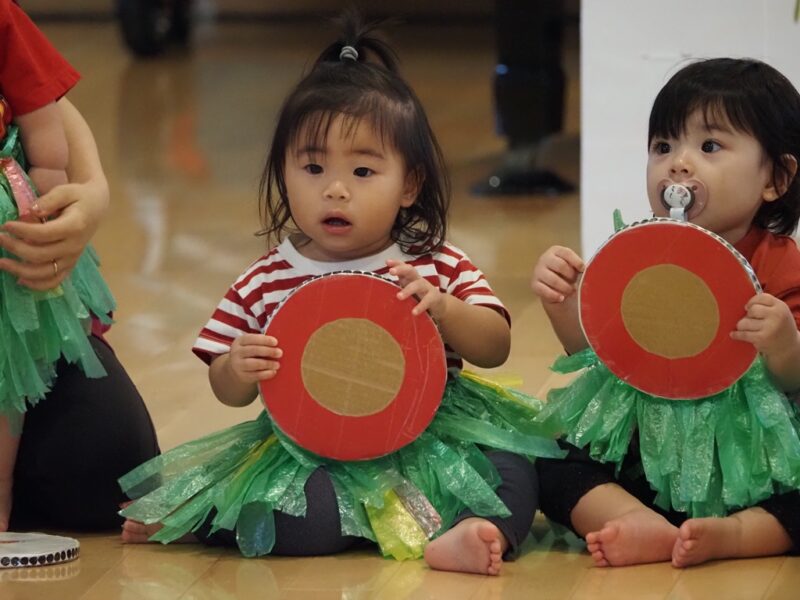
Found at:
(681, 165)
(336, 190)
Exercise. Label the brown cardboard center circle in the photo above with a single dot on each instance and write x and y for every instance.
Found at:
(353, 367)
(670, 311)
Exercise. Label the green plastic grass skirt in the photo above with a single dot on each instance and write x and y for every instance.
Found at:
(39, 328)
(703, 457)
(399, 501)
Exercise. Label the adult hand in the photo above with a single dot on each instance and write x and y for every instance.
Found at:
(48, 251)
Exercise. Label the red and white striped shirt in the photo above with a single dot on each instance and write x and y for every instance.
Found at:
(252, 298)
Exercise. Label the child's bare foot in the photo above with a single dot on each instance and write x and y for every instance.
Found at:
(639, 536)
(700, 540)
(474, 545)
(748, 533)
(5, 503)
(136, 532)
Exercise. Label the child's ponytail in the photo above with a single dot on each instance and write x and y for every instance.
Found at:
(358, 43)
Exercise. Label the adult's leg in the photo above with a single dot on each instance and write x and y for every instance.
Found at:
(319, 532)
(76, 443)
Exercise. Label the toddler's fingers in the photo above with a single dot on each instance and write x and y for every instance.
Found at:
(749, 323)
(566, 270)
(256, 365)
(425, 303)
(762, 299)
(743, 336)
(259, 351)
(758, 311)
(418, 287)
(570, 257)
(265, 375)
(546, 293)
(557, 283)
(403, 271)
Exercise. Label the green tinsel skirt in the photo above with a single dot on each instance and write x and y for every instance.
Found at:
(246, 472)
(39, 328)
(703, 457)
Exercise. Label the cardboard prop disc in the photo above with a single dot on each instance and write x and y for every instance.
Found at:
(35, 549)
(360, 376)
(658, 302)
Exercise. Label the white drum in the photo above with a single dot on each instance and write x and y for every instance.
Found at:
(36, 549)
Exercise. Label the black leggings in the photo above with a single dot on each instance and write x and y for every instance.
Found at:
(319, 532)
(564, 482)
(75, 444)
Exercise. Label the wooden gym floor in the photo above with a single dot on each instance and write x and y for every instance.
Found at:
(182, 140)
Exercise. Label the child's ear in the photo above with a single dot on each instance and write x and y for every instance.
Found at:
(412, 187)
(783, 180)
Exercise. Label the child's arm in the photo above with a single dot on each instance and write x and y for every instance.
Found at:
(45, 143)
(555, 282)
(478, 333)
(234, 376)
(75, 209)
(770, 326)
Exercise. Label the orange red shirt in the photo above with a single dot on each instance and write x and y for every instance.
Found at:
(776, 261)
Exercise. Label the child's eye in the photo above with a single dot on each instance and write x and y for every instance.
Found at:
(363, 172)
(710, 146)
(313, 169)
(661, 147)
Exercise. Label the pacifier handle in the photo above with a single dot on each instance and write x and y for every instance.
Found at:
(678, 199)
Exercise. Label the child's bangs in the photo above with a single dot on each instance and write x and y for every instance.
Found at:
(378, 112)
(671, 112)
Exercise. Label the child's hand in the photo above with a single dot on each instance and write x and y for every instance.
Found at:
(556, 274)
(413, 284)
(768, 325)
(253, 357)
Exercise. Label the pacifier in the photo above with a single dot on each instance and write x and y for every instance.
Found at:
(683, 199)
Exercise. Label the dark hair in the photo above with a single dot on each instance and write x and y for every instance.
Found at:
(369, 89)
(755, 99)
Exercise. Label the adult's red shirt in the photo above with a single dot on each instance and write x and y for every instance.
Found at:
(776, 261)
(32, 72)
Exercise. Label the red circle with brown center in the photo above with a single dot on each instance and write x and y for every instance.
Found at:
(658, 302)
(360, 376)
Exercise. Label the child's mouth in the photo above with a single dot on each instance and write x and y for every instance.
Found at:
(336, 225)
(336, 222)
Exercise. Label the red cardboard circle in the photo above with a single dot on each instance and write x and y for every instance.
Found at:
(667, 242)
(311, 425)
